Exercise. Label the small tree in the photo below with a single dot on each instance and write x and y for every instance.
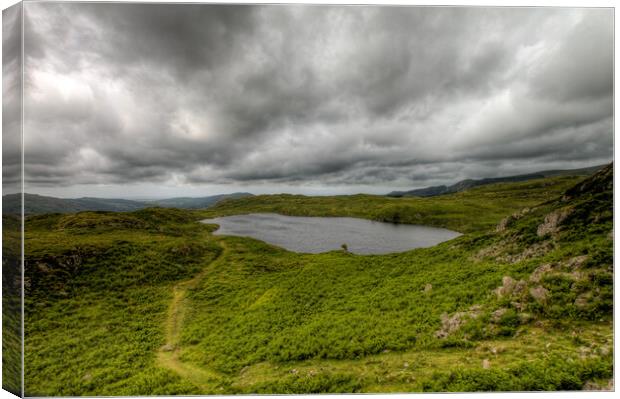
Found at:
(344, 247)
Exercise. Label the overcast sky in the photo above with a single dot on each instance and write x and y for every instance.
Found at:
(163, 100)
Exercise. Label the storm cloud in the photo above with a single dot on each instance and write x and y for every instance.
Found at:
(182, 95)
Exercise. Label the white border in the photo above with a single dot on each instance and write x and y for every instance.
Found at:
(511, 3)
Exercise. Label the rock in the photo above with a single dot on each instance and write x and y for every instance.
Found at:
(293, 371)
(519, 287)
(475, 310)
(582, 300)
(509, 287)
(533, 251)
(553, 221)
(87, 377)
(167, 348)
(503, 224)
(449, 324)
(491, 251)
(497, 315)
(576, 262)
(486, 364)
(539, 293)
(540, 271)
(428, 287)
(518, 305)
(593, 386)
(405, 365)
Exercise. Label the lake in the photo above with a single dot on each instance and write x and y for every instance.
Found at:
(322, 234)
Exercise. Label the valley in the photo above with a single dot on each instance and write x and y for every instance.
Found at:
(151, 302)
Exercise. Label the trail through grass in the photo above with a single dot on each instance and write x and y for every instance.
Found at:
(168, 355)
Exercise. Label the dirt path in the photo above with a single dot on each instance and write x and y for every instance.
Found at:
(168, 355)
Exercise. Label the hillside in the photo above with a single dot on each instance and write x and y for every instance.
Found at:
(469, 211)
(39, 204)
(34, 204)
(151, 303)
(196, 202)
(471, 183)
(11, 304)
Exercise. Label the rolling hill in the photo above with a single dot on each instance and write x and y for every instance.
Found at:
(471, 183)
(196, 202)
(150, 302)
(39, 204)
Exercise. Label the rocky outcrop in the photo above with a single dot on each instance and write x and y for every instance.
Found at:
(451, 323)
(510, 287)
(552, 222)
(507, 221)
(503, 224)
(600, 182)
(540, 272)
(533, 251)
(539, 293)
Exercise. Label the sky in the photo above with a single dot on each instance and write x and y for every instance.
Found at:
(156, 100)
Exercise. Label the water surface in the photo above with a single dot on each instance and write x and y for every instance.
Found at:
(322, 234)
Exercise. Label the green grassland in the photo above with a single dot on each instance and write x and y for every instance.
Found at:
(11, 304)
(151, 302)
(469, 211)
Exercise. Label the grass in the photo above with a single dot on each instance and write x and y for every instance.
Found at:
(11, 304)
(469, 211)
(97, 297)
(168, 355)
(150, 302)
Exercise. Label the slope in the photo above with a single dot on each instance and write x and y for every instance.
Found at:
(474, 313)
(524, 305)
(39, 204)
(471, 183)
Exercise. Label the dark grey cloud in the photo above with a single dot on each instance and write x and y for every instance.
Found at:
(126, 94)
(11, 99)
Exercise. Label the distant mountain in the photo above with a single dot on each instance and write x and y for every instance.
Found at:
(34, 203)
(37, 204)
(195, 203)
(471, 183)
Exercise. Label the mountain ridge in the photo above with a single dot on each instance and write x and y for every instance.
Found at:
(466, 184)
(37, 204)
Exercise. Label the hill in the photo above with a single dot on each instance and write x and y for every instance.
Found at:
(34, 203)
(467, 211)
(471, 183)
(196, 202)
(152, 303)
(39, 204)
